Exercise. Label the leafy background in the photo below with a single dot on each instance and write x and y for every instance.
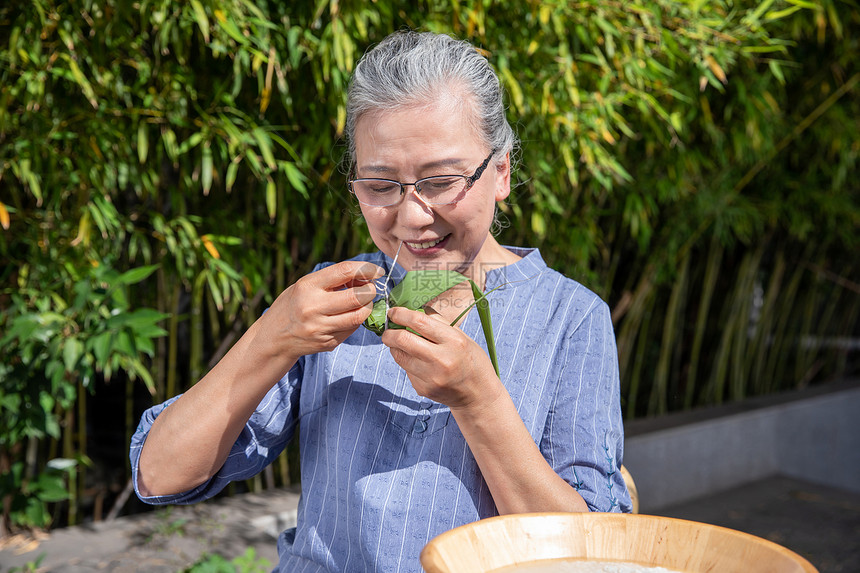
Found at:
(167, 168)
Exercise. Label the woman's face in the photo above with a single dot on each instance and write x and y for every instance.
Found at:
(413, 143)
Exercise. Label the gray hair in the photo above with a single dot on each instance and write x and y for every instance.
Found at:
(415, 69)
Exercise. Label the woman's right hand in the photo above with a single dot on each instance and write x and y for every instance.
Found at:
(191, 439)
(320, 310)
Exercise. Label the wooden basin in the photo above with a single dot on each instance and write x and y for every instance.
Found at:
(675, 544)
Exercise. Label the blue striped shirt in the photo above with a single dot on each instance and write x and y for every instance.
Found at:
(385, 470)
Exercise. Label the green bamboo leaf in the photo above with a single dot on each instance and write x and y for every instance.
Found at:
(201, 18)
(125, 343)
(415, 290)
(135, 275)
(254, 162)
(375, 322)
(230, 27)
(538, 224)
(483, 307)
(763, 49)
(295, 177)
(271, 199)
(136, 368)
(514, 88)
(188, 227)
(283, 143)
(50, 487)
(82, 81)
(777, 14)
(230, 177)
(225, 269)
(72, 351)
(29, 178)
(420, 287)
(193, 141)
(168, 137)
(206, 170)
(761, 9)
(142, 142)
(215, 291)
(144, 317)
(145, 344)
(265, 144)
(776, 70)
(101, 345)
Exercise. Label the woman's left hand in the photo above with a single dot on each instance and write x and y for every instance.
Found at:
(447, 366)
(443, 364)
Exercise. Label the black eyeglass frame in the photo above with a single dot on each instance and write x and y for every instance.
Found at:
(470, 181)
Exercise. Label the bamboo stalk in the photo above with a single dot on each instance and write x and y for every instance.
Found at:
(826, 320)
(709, 283)
(759, 345)
(130, 422)
(69, 452)
(6, 500)
(284, 468)
(31, 458)
(340, 238)
(776, 362)
(807, 345)
(81, 467)
(640, 300)
(195, 359)
(214, 317)
(162, 305)
(173, 339)
(721, 370)
(281, 232)
(658, 402)
(740, 344)
(635, 373)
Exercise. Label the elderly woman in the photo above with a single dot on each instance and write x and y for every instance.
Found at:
(408, 435)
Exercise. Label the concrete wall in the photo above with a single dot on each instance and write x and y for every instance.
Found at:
(811, 435)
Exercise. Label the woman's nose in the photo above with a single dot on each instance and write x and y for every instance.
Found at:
(413, 211)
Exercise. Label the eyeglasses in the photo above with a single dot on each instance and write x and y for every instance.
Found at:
(436, 190)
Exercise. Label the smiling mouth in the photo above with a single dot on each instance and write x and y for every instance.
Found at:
(425, 245)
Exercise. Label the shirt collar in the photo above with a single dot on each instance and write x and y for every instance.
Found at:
(528, 266)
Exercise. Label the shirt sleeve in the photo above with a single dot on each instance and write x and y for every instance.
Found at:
(583, 437)
(265, 435)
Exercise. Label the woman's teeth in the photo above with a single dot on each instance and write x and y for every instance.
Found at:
(426, 245)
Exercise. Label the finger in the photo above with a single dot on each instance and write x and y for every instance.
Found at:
(351, 319)
(412, 347)
(410, 352)
(345, 274)
(349, 299)
(430, 328)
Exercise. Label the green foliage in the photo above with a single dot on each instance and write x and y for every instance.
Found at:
(30, 566)
(69, 334)
(695, 163)
(168, 525)
(58, 337)
(245, 563)
(28, 497)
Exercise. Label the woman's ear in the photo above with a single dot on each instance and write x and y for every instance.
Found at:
(502, 174)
